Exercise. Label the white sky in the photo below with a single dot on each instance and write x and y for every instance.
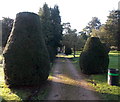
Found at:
(77, 12)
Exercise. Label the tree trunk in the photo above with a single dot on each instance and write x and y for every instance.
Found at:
(74, 50)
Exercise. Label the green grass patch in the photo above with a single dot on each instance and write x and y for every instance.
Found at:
(10, 94)
(114, 60)
(75, 61)
(106, 91)
(99, 82)
(77, 53)
(67, 56)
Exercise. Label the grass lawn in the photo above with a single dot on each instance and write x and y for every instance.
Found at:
(106, 91)
(10, 94)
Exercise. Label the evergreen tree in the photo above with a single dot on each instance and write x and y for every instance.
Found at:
(94, 57)
(25, 55)
(109, 32)
(68, 51)
(46, 23)
(51, 28)
(112, 27)
(7, 24)
(93, 24)
(56, 26)
(45, 14)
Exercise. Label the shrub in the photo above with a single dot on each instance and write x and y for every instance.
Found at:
(68, 51)
(26, 60)
(94, 58)
(52, 53)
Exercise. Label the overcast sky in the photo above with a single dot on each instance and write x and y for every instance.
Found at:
(77, 12)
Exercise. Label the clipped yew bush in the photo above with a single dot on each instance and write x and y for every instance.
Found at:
(94, 58)
(26, 60)
(68, 51)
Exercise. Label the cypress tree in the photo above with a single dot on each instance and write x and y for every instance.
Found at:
(51, 28)
(45, 14)
(56, 26)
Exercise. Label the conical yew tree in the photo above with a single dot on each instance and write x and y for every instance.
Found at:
(68, 51)
(94, 58)
(26, 60)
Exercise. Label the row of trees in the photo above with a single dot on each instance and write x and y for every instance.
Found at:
(54, 38)
(76, 41)
(108, 33)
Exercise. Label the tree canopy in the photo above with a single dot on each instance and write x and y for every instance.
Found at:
(51, 28)
(7, 24)
(93, 24)
(109, 32)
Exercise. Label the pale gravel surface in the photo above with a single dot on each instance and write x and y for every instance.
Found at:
(68, 84)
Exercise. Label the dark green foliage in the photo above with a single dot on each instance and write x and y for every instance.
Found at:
(109, 32)
(107, 48)
(46, 23)
(26, 57)
(94, 57)
(92, 25)
(46, 30)
(51, 28)
(68, 51)
(56, 26)
(51, 52)
(7, 24)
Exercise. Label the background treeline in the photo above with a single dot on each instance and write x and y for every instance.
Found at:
(62, 35)
(108, 33)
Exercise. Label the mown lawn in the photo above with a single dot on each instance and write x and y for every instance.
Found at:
(106, 91)
(8, 94)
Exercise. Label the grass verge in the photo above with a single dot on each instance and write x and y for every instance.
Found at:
(99, 82)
